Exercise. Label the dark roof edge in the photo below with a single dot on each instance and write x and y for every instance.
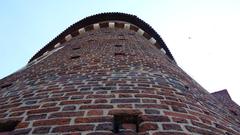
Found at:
(105, 17)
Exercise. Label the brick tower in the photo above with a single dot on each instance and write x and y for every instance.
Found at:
(109, 74)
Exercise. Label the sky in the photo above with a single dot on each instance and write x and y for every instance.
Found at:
(202, 35)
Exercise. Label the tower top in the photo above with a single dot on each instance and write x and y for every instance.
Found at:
(103, 20)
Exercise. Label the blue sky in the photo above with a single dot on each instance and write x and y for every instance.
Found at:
(203, 35)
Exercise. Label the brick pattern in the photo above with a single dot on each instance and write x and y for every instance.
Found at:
(79, 88)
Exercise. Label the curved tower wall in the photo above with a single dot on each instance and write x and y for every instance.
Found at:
(109, 77)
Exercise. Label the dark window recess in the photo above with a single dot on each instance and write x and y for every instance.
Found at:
(8, 126)
(118, 45)
(76, 48)
(122, 123)
(6, 85)
(91, 40)
(233, 112)
(74, 57)
(120, 54)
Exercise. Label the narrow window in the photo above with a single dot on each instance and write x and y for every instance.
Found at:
(119, 54)
(76, 48)
(6, 85)
(8, 126)
(118, 45)
(122, 123)
(90, 40)
(233, 112)
(74, 57)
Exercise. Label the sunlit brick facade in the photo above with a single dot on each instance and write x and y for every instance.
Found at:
(110, 74)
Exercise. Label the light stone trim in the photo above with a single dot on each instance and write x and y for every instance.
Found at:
(163, 50)
(81, 31)
(45, 53)
(68, 37)
(57, 45)
(111, 24)
(127, 26)
(152, 40)
(140, 32)
(96, 26)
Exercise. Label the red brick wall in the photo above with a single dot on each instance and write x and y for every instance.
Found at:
(80, 87)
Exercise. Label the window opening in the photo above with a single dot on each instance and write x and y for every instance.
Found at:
(6, 85)
(74, 57)
(125, 122)
(120, 54)
(118, 45)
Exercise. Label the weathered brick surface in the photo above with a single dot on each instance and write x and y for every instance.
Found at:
(104, 73)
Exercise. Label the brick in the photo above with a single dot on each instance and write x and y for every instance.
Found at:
(149, 96)
(41, 130)
(69, 108)
(181, 115)
(100, 133)
(199, 130)
(148, 126)
(72, 102)
(125, 100)
(49, 122)
(51, 104)
(155, 118)
(100, 96)
(44, 110)
(152, 111)
(171, 127)
(94, 112)
(66, 114)
(22, 125)
(149, 100)
(24, 108)
(173, 103)
(169, 133)
(100, 101)
(21, 131)
(54, 99)
(124, 111)
(99, 106)
(36, 117)
(105, 126)
(201, 125)
(93, 119)
(179, 109)
(124, 95)
(16, 114)
(125, 105)
(154, 106)
(206, 121)
(201, 115)
(72, 128)
(77, 97)
(179, 120)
